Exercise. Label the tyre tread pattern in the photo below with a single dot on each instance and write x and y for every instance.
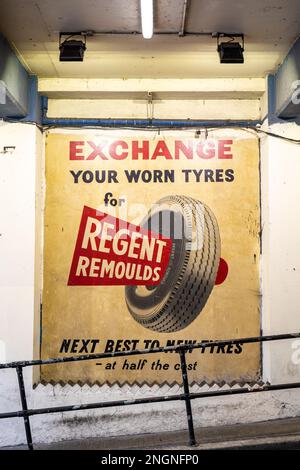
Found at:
(198, 273)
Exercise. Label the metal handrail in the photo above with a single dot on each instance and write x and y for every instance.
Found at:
(186, 396)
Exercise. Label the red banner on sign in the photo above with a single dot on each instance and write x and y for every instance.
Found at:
(111, 251)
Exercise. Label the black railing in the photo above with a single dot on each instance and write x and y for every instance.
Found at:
(186, 396)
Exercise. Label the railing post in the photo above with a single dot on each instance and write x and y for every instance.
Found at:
(187, 397)
(19, 370)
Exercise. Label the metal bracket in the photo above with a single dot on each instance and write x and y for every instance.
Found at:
(150, 105)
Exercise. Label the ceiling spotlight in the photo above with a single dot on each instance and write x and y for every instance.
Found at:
(231, 51)
(71, 50)
(147, 18)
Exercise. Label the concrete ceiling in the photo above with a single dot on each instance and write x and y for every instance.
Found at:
(33, 26)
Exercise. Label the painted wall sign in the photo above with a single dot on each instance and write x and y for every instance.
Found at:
(111, 251)
(150, 242)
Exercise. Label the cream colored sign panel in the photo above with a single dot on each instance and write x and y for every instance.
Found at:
(150, 242)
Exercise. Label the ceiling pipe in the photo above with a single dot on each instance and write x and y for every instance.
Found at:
(183, 19)
(139, 123)
(90, 33)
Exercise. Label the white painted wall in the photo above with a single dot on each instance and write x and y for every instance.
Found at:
(281, 253)
(20, 181)
(17, 255)
(17, 238)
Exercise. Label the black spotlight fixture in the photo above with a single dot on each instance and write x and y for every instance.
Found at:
(231, 51)
(70, 49)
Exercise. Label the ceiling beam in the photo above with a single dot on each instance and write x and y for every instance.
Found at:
(212, 88)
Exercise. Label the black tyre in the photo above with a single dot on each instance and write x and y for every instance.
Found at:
(192, 269)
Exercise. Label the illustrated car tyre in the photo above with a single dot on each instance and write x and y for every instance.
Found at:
(191, 273)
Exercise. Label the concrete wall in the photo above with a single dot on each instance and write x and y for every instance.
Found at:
(160, 109)
(21, 192)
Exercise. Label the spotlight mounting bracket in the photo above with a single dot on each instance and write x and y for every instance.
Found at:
(230, 36)
(69, 35)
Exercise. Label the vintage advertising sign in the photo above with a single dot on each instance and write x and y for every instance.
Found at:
(150, 241)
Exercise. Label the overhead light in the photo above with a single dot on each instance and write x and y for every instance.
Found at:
(71, 50)
(231, 51)
(147, 18)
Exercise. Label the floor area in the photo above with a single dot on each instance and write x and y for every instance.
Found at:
(275, 434)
